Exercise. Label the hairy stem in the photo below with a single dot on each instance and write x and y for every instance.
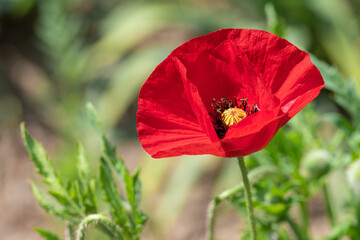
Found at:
(212, 208)
(211, 218)
(249, 206)
(99, 219)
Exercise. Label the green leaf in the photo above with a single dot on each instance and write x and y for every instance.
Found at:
(46, 234)
(92, 115)
(276, 25)
(339, 230)
(60, 197)
(85, 193)
(345, 94)
(76, 194)
(113, 197)
(38, 156)
(137, 187)
(108, 149)
(82, 164)
(46, 169)
(127, 181)
(110, 154)
(140, 218)
(92, 190)
(49, 206)
(274, 209)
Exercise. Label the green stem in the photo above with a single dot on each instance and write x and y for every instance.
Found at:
(305, 219)
(98, 219)
(212, 208)
(249, 206)
(69, 231)
(295, 228)
(329, 210)
(211, 218)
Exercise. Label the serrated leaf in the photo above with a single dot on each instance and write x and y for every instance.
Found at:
(137, 187)
(127, 181)
(46, 169)
(120, 168)
(345, 94)
(38, 156)
(82, 164)
(140, 218)
(78, 194)
(49, 206)
(85, 186)
(92, 189)
(44, 166)
(332, 77)
(92, 115)
(113, 197)
(46, 234)
(110, 154)
(108, 149)
(60, 197)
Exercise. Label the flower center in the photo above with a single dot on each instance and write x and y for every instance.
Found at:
(232, 115)
(229, 112)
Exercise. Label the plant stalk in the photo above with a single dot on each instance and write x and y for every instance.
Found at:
(295, 228)
(212, 208)
(329, 210)
(305, 219)
(211, 219)
(249, 206)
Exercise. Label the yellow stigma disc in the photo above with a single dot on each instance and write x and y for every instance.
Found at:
(232, 115)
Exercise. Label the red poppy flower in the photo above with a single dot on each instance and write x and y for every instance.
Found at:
(261, 79)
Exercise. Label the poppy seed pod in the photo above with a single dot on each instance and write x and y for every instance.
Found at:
(181, 103)
(315, 163)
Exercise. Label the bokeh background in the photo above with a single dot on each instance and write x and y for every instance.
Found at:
(56, 55)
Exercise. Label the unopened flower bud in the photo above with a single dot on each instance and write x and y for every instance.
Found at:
(315, 163)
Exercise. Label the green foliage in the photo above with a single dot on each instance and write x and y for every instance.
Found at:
(76, 200)
(343, 92)
(130, 183)
(60, 37)
(46, 234)
(276, 25)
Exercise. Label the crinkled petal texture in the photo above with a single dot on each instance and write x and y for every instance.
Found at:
(174, 103)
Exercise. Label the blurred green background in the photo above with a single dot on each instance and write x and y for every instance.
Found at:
(56, 55)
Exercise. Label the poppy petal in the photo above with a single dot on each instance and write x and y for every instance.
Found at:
(175, 102)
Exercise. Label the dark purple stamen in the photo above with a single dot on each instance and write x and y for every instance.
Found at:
(225, 103)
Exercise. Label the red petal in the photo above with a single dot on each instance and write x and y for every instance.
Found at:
(174, 103)
(164, 116)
